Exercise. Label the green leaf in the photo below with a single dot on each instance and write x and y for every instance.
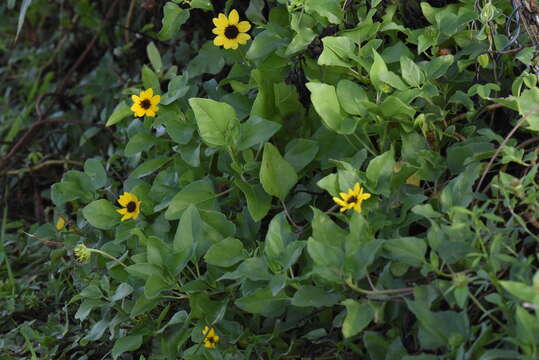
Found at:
(126, 343)
(407, 250)
(140, 142)
(329, 9)
(154, 285)
(277, 176)
(174, 17)
(351, 97)
(264, 303)
(358, 316)
(326, 104)
(314, 296)
(225, 253)
(177, 88)
(199, 193)
(338, 50)
(150, 79)
(101, 214)
(258, 202)
(96, 172)
(256, 131)
(459, 191)
(300, 152)
(528, 105)
(155, 58)
(148, 167)
(411, 73)
(378, 69)
(201, 4)
(189, 233)
(217, 122)
(380, 170)
(520, 290)
(120, 112)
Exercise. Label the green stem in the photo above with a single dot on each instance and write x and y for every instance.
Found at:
(356, 288)
(107, 255)
(3, 250)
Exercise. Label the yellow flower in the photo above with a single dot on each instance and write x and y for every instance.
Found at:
(60, 223)
(145, 103)
(231, 32)
(82, 253)
(352, 199)
(210, 339)
(131, 206)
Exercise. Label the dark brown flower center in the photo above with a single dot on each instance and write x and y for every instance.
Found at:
(352, 199)
(211, 339)
(132, 206)
(231, 32)
(145, 104)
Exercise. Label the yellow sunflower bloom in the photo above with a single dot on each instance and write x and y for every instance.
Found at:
(131, 206)
(352, 199)
(231, 32)
(60, 224)
(145, 104)
(210, 339)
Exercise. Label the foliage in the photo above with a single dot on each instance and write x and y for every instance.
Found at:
(238, 237)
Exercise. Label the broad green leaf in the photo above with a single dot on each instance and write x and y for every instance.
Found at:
(174, 17)
(380, 170)
(522, 291)
(140, 142)
(96, 172)
(154, 56)
(121, 111)
(314, 296)
(329, 9)
(154, 285)
(188, 234)
(148, 167)
(123, 290)
(258, 202)
(101, 214)
(277, 176)
(326, 104)
(351, 97)
(125, 344)
(264, 303)
(300, 152)
(256, 131)
(407, 250)
(378, 69)
(150, 79)
(225, 253)
(199, 193)
(217, 122)
(201, 4)
(411, 73)
(528, 105)
(177, 88)
(358, 316)
(338, 50)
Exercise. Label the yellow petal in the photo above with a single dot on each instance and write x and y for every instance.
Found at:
(365, 196)
(135, 98)
(357, 188)
(122, 211)
(243, 38)
(244, 26)
(343, 195)
(233, 17)
(339, 201)
(221, 21)
(227, 43)
(218, 31)
(234, 44)
(149, 93)
(155, 100)
(219, 40)
(150, 113)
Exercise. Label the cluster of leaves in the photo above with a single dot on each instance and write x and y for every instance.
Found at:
(238, 231)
